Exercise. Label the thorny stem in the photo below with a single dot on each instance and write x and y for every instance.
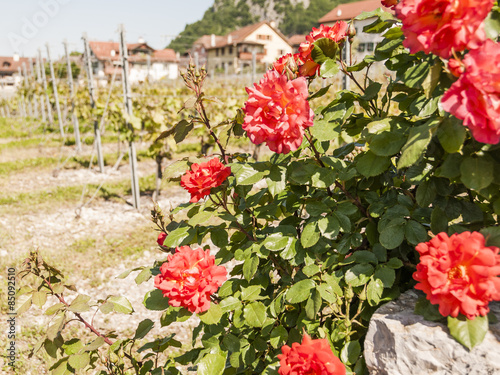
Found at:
(82, 320)
(351, 76)
(206, 121)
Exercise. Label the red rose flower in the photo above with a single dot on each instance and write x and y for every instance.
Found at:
(203, 177)
(161, 238)
(475, 96)
(288, 64)
(310, 357)
(459, 273)
(189, 278)
(337, 33)
(277, 112)
(440, 26)
(456, 67)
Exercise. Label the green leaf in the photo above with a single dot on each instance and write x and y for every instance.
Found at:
(56, 327)
(80, 304)
(359, 274)
(393, 234)
(310, 235)
(324, 49)
(439, 221)
(121, 304)
(387, 143)
(212, 364)
(177, 236)
(477, 173)
(451, 134)
(418, 140)
(415, 75)
(276, 180)
(255, 314)
(182, 129)
(279, 335)
(467, 332)
(23, 304)
(370, 165)
(276, 242)
(415, 232)
(79, 361)
(94, 345)
(230, 304)
(72, 346)
(426, 193)
(200, 217)
(143, 328)
(372, 91)
(374, 291)
(492, 236)
(329, 226)
(313, 304)
(154, 300)
(350, 352)
(325, 130)
(39, 299)
(176, 169)
(300, 291)
(250, 267)
(386, 275)
(427, 310)
(251, 293)
(329, 69)
(246, 174)
(54, 309)
(143, 276)
(212, 315)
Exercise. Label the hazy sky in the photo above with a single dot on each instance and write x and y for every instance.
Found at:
(27, 25)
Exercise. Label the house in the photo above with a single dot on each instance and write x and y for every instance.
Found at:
(295, 41)
(363, 43)
(233, 53)
(144, 61)
(9, 69)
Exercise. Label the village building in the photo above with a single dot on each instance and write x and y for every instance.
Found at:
(145, 62)
(363, 43)
(295, 41)
(234, 52)
(9, 69)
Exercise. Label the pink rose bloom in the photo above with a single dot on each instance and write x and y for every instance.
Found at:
(277, 112)
(440, 26)
(475, 97)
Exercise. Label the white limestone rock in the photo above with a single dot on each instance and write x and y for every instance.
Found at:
(399, 342)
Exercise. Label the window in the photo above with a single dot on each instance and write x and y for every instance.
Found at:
(263, 37)
(361, 47)
(370, 47)
(230, 50)
(222, 50)
(281, 52)
(216, 52)
(6, 63)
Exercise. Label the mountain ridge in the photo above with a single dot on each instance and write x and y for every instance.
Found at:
(291, 17)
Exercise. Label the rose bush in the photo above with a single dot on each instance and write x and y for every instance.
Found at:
(323, 230)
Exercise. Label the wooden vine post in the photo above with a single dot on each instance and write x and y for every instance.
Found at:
(136, 193)
(97, 130)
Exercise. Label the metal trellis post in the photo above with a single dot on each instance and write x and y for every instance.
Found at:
(97, 130)
(76, 124)
(56, 95)
(45, 88)
(136, 193)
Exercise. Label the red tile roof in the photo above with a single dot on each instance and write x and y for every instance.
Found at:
(348, 11)
(9, 66)
(295, 40)
(103, 51)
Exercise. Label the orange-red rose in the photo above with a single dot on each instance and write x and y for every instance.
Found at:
(277, 112)
(440, 26)
(475, 97)
(309, 358)
(337, 33)
(459, 273)
(203, 177)
(189, 278)
(390, 3)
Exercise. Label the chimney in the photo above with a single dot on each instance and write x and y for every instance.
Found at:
(272, 24)
(212, 40)
(141, 40)
(229, 39)
(16, 57)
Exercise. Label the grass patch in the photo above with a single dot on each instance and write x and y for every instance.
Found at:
(64, 195)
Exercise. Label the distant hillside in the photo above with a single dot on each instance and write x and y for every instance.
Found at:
(291, 16)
